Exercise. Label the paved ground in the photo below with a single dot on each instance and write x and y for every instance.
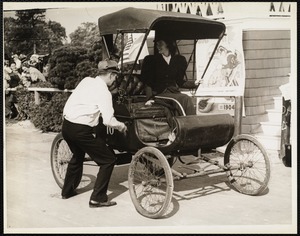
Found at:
(32, 200)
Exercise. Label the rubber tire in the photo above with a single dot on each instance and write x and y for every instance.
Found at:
(258, 159)
(138, 177)
(59, 157)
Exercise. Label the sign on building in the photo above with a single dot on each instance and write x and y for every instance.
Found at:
(225, 77)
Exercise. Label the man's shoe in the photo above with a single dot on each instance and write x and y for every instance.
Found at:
(72, 194)
(94, 204)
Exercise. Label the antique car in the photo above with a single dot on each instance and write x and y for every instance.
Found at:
(161, 134)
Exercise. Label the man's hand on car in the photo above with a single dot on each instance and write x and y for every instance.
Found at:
(123, 129)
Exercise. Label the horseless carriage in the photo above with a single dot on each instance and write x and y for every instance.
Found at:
(161, 134)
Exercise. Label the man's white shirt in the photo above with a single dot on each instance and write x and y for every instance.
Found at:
(90, 100)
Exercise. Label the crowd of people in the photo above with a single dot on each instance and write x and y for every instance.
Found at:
(20, 72)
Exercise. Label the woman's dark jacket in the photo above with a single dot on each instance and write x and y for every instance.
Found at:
(159, 75)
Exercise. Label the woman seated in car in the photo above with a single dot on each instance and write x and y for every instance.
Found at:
(163, 75)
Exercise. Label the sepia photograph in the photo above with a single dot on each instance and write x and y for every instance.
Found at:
(149, 117)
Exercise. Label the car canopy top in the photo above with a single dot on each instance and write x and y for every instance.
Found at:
(175, 25)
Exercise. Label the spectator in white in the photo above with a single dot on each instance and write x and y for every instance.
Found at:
(90, 105)
(22, 57)
(11, 80)
(17, 61)
(25, 77)
(34, 59)
(16, 82)
(7, 71)
(8, 103)
(46, 69)
(15, 71)
(35, 74)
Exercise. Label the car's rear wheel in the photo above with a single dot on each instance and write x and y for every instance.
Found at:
(60, 157)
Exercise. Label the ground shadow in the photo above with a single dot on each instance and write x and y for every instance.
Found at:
(264, 192)
(116, 186)
(86, 184)
(200, 186)
(118, 182)
(172, 210)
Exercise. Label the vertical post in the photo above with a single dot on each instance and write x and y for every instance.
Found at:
(122, 51)
(34, 47)
(36, 97)
(238, 114)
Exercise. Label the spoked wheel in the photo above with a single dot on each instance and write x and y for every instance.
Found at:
(60, 157)
(248, 163)
(150, 182)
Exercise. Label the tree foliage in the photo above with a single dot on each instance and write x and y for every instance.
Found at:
(30, 33)
(62, 64)
(70, 64)
(86, 35)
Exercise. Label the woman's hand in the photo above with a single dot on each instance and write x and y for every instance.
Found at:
(149, 102)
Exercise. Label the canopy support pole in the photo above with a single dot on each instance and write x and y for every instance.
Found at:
(211, 57)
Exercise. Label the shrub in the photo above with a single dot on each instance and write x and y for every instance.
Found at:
(25, 101)
(47, 116)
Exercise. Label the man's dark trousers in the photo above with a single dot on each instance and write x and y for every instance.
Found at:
(81, 140)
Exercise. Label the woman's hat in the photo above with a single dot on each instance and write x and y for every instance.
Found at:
(108, 66)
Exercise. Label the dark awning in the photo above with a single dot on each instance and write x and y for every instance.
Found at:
(173, 24)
